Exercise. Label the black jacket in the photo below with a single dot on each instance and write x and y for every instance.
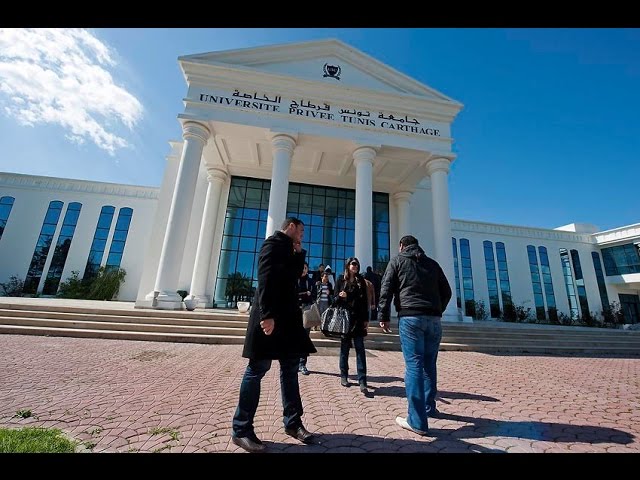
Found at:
(418, 283)
(279, 269)
(355, 302)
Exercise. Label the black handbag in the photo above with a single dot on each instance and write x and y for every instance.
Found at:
(336, 322)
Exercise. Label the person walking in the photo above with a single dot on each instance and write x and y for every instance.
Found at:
(305, 299)
(422, 293)
(324, 293)
(275, 332)
(352, 295)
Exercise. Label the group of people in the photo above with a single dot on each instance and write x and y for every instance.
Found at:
(415, 284)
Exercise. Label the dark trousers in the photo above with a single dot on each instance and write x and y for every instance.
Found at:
(250, 395)
(303, 360)
(361, 360)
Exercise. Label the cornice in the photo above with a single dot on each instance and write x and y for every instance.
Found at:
(627, 233)
(18, 180)
(516, 231)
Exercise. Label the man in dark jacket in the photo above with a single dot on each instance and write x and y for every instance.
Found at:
(422, 293)
(275, 332)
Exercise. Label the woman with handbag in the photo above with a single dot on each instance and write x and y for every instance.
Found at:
(352, 295)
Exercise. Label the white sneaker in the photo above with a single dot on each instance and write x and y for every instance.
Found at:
(404, 424)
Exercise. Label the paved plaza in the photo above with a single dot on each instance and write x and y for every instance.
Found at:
(130, 396)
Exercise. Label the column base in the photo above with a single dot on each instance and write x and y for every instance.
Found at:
(202, 301)
(161, 301)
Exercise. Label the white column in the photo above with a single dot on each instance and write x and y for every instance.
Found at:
(216, 178)
(164, 295)
(282, 147)
(363, 159)
(438, 170)
(402, 208)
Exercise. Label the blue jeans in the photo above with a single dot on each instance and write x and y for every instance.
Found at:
(361, 359)
(250, 395)
(420, 338)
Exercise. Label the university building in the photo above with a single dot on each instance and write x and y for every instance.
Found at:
(319, 130)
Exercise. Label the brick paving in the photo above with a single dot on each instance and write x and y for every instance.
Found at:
(130, 396)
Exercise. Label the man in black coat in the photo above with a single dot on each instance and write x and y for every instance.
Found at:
(275, 332)
(421, 292)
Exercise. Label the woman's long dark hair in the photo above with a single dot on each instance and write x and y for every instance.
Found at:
(347, 272)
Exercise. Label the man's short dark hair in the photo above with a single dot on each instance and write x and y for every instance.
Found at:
(408, 240)
(288, 220)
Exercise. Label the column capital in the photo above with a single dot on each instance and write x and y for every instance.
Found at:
(283, 141)
(364, 154)
(196, 130)
(216, 174)
(440, 164)
(402, 196)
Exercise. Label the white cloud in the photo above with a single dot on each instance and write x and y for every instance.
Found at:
(60, 76)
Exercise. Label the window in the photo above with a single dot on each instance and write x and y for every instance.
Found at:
(119, 238)
(550, 296)
(492, 279)
(62, 249)
(535, 282)
(503, 274)
(467, 278)
(569, 284)
(602, 287)
(621, 260)
(457, 272)
(99, 241)
(41, 250)
(6, 204)
(582, 291)
(329, 217)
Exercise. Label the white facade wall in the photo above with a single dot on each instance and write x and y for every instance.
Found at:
(516, 239)
(32, 197)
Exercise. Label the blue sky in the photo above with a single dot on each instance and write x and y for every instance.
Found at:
(549, 133)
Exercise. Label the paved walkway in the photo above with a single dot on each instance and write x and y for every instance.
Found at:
(129, 396)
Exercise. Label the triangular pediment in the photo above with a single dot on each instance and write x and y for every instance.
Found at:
(329, 61)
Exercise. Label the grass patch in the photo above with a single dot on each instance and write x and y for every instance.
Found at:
(34, 440)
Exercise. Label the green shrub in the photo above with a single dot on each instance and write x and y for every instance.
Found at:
(74, 287)
(106, 284)
(13, 288)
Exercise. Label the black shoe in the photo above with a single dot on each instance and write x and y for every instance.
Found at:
(250, 443)
(300, 433)
(344, 382)
(433, 413)
(363, 387)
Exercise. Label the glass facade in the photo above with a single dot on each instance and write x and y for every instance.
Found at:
(550, 296)
(569, 284)
(49, 224)
(119, 238)
(457, 272)
(621, 259)
(536, 282)
(492, 279)
(329, 217)
(602, 287)
(62, 249)
(467, 278)
(582, 291)
(99, 241)
(503, 273)
(6, 204)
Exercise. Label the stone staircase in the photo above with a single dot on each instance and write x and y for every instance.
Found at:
(119, 320)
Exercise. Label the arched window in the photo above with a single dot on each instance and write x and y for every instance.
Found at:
(119, 238)
(62, 248)
(49, 224)
(99, 241)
